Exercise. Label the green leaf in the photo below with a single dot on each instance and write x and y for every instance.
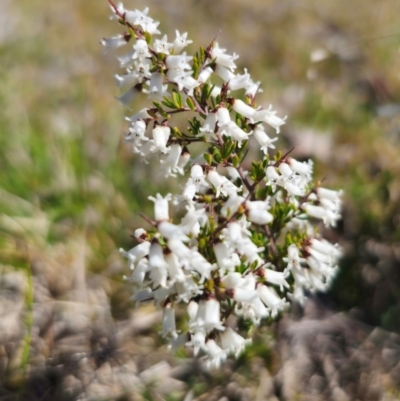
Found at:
(190, 103)
(177, 100)
(208, 158)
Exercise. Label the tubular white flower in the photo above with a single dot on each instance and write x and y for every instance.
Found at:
(224, 73)
(329, 194)
(274, 178)
(252, 89)
(232, 204)
(204, 75)
(137, 133)
(114, 42)
(168, 322)
(129, 79)
(181, 42)
(161, 212)
(238, 134)
(208, 316)
(191, 218)
(172, 161)
(226, 259)
(300, 168)
(156, 88)
(192, 309)
(160, 137)
(224, 118)
(141, 50)
(263, 139)
(239, 81)
(197, 342)
(128, 97)
(215, 355)
(271, 299)
(158, 266)
(208, 128)
(137, 17)
(162, 45)
(277, 278)
(244, 109)
(232, 342)
(169, 230)
(241, 295)
(269, 116)
(141, 115)
(258, 212)
(138, 252)
(285, 170)
(174, 268)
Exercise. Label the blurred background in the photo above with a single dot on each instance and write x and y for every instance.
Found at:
(69, 189)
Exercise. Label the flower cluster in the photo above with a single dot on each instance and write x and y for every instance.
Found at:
(245, 245)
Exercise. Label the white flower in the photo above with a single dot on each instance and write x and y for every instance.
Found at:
(224, 73)
(232, 204)
(271, 299)
(128, 97)
(304, 169)
(329, 217)
(129, 79)
(139, 271)
(198, 177)
(224, 119)
(252, 89)
(161, 207)
(215, 355)
(179, 63)
(168, 322)
(244, 109)
(239, 81)
(141, 115)
(258, 212)
(191, 218)
(221, 183)
(233, 343)
(222, 59)
(114, 42)
(227, 259)
(273, 177)
(138, 252)
(169, 230)
(156, 88)
(162, 46)
(208, 316)
(174, 268)
(158, 266)
(180, 42)
(277, 278)
(263, 139)
(161, 135)
(294, 261)
(171, 164)
(137, 133)
(238, 134)
(197, 341)
(208, 128)
(269, 116)
(204, 75)
(142, 69)
(188, 289)
(141, 50)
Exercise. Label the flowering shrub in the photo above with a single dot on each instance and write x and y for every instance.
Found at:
(246, 245)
